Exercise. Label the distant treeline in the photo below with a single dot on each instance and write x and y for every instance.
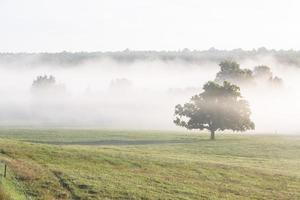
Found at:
(290, 57)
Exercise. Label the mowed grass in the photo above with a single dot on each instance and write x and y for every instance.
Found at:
(106, 164)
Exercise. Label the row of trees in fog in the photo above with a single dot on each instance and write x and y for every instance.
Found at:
(229, 71)
(221, 106)
(47, 84)
(68, 59)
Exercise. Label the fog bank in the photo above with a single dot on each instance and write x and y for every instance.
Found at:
(136, 95)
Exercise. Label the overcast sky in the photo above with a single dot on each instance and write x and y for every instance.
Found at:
(109, 25)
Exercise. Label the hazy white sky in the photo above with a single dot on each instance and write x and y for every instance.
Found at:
(104, 25)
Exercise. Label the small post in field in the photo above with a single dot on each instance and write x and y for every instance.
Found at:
(5, 166)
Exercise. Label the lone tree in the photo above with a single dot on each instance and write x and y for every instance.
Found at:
(217, 108)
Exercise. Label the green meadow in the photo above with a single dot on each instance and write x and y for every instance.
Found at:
(111, 164)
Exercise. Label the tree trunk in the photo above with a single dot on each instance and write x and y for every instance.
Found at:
(212, 135)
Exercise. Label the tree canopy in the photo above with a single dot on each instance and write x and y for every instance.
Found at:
(262, 72)
(44, 81)
(46, 85)
(231, 71)
(217, 108)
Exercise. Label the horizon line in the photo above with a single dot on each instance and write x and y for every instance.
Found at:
(151, 50)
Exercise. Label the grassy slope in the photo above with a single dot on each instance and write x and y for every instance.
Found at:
(91, 164)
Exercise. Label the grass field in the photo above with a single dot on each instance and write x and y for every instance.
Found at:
(104, 164)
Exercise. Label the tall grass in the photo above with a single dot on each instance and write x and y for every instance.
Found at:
(4, 195)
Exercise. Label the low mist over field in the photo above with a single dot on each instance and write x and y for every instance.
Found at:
(128, 90)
